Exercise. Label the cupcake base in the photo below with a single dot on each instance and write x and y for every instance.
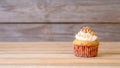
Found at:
(85, 51)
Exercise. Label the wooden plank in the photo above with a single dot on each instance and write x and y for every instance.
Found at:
(53, 55)
(72, 22)
(55, 32)
(109, 54)
(59, 11)
(66, 66)
(59, 61)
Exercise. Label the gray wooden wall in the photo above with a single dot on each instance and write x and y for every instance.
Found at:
(58, 20)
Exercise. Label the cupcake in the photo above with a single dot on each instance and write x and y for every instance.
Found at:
(86, 43)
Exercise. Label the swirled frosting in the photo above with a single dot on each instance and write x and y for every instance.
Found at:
(86, 34)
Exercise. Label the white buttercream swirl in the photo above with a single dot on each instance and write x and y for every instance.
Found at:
(85, 36)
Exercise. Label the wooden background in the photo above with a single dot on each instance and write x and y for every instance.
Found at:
(58, 20)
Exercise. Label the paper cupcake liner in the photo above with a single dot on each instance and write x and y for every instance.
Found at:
(85, 51)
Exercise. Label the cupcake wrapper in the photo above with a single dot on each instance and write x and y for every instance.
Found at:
(85, 51)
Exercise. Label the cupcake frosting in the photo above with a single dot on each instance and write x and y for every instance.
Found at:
(86, 34)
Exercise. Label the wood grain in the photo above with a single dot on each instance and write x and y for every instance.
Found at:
(34, 54)
(59, 61)
(66, 66)
(55, 32)
(59, 11)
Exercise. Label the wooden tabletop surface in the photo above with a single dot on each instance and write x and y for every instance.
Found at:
(55, 55)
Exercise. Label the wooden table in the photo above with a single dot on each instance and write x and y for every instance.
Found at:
(55, 55)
